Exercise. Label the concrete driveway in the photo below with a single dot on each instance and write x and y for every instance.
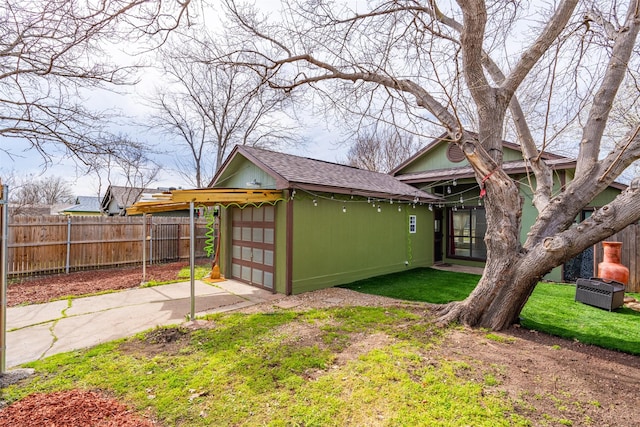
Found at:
(41, 330)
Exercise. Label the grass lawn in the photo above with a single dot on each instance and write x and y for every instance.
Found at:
(289, 368)
(551, 308)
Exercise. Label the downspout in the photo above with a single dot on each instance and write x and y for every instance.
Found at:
(289, 244)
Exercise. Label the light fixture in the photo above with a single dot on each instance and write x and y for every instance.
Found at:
(448, 189)
(379, 209)
(430, 207)
(399, 208)
(254, 183)
(461, 199)
(344, 209)
(455, 182)
(315, 202)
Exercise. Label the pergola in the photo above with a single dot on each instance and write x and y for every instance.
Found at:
(187, 199)
(176, 200)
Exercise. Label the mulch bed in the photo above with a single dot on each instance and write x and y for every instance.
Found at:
(70, 408)
(37, 290)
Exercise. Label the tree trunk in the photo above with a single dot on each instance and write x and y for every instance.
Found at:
(496, 301)
(510, 273)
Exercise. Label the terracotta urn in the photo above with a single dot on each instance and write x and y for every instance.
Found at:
(610, 267)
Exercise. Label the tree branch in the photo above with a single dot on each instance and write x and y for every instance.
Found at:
(531, 56)
(604, 97)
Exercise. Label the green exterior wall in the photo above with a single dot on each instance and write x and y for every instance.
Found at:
(436, 158)
(241, 171)
(332, 247)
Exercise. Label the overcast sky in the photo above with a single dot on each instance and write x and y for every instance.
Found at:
(24, 161)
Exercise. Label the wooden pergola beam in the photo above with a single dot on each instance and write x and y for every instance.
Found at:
(181, 199)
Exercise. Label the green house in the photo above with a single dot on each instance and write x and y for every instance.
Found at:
(442, 170)
(334, 224)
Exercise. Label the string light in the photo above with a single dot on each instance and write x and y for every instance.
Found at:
(430, 207)
(315, 202)
(455, 182)
(399, 208)
(344, 209)
(379, 209)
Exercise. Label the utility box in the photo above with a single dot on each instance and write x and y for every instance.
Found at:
(600, 293)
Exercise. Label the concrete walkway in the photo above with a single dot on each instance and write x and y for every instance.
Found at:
(41, 330)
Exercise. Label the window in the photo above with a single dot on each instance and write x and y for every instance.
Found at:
(412, 223)
(467, 228)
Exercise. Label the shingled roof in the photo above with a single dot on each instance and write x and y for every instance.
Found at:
(291, 171)
(123, 197)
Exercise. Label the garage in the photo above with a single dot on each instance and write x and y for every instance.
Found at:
(253, 245)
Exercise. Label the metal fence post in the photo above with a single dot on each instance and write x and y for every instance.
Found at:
(66, 269)
(192, 260)
(4, 258)
(151, 237)
(144, 248)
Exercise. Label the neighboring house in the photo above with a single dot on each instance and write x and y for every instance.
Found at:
(335, 224)
(441, 169)
(84, 205)
(117, 199)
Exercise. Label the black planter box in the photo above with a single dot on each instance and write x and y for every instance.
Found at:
(600, 293)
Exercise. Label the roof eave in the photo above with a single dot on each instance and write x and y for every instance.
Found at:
(417, 196)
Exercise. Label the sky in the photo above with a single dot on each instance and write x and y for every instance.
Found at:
(24, 161)
(27, 162)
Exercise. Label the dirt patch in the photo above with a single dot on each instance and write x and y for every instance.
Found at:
(362, 344)
(166, 341)
(71, 408)
(552, 378)
(43, 289)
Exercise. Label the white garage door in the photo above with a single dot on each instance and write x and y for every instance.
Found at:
(252, 246)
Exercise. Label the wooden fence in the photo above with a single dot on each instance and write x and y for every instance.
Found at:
(59, 244)
(630, 257)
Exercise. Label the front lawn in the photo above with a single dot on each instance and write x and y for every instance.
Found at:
(551, 308)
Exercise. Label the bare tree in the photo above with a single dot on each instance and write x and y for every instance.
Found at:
(132, 167)
(211, 106)
(51, 49)
(28, 191)
(420, 60)
(381, 150)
